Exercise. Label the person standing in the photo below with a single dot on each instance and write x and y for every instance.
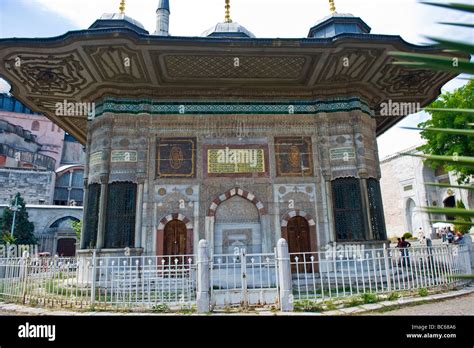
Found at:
(450, 236)
(459, 239)
(443, 234)
(428, 240)
(405, 254)
(420, 234)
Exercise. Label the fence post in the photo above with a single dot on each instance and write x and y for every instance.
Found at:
(24, 275)
(93, 275)
(470, 252)
(387, 268)
(284, 275)
(203, 278)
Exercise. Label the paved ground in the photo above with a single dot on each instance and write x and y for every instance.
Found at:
(458, 302)
(463, 305)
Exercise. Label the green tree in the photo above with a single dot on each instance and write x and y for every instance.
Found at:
(24, 228)
(77, 227)
(459, 226)
(444, 115)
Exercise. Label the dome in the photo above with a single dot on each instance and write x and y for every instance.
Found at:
(118, 20)
(232, 30)
(338, 23)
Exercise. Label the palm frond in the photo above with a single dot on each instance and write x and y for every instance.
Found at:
(454, 222)
(429, 61)
(468, 111)
(467, 25)
(452, 6)
(454, 45)
(449, 211)
(461, 187)
(468, 132)
(467, 161)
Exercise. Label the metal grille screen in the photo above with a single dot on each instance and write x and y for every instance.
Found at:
(348, 215)
(92, 216)
(120, 225)
(377, 219)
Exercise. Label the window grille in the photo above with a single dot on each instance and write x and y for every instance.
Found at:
(377, 219)
(348, 212)
(120, 225)
(92, 216)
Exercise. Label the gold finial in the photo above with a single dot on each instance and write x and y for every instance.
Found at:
(332, 7)
(122, 6)
(227, 12)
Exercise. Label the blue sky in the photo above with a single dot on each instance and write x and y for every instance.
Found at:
(265, 18)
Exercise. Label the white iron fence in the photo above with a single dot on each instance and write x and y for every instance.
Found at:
(162, 282)
(100, 281)
(244, 279)
(325, 275)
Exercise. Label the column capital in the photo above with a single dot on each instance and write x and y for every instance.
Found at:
(104, 178)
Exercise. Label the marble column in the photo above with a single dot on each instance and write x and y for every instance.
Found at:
(138, 216)
(104, 190)
(330, 210)
(366, 208)
(84, 215)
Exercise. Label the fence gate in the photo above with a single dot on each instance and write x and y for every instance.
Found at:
(244, 280)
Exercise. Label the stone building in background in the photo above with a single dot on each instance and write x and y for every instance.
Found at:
(223, 136)
(404, 193)
(45, 165)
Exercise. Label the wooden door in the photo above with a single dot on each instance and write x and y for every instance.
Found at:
(175, 238)
(298, 235)
(299, 243)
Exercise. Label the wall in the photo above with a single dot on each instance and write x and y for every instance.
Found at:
(31, 184)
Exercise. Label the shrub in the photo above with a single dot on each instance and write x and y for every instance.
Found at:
(161, 308)
(330, 306)
(307, 306)
(408, 235)
(423, 292)
(368, 297)
(393, 296)
(354, 301)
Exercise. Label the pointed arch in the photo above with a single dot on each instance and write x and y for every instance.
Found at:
(236, 192)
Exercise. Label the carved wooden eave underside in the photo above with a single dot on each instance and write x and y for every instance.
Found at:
(84, 66)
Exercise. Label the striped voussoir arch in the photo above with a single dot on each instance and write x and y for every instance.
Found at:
(160, 236)
(288, 216)
(176, 216)
(237, 192)
(313, 237)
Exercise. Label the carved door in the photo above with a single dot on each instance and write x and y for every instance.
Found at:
(175, 238)
(299, 243)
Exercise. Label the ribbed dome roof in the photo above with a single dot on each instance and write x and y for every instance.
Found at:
(118, 20)
(122, 16)
(232, 29)
(338, 23)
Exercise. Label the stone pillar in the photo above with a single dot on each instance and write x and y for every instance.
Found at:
(366, 208)
(84, 214)
(284, 276)
(139, 216)
(104, 191)
(330, 210)
(203, 278)
(266, 234)
(86, 190)
(470, 251)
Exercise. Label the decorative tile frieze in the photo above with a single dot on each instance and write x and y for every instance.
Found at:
(136, 106)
